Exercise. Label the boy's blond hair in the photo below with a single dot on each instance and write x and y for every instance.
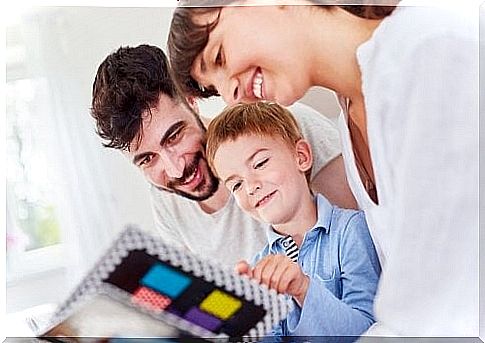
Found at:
(258, 118)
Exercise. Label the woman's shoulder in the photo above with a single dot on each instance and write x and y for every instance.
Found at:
(388, 61)
(411, 25)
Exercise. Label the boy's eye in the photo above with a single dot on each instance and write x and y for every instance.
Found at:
(235, 186)
(261, 164)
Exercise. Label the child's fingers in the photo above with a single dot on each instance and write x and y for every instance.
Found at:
(268, 270)
(272, 269)
(298, 288)
(263, 271)
(280, 271)
(290, 276)
(259, 269)
(243, 268)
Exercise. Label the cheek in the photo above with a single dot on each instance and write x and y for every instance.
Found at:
(278, 175)
(191, 143)
(242, 202)
(242, 55)
(287, 86)
(154, 176)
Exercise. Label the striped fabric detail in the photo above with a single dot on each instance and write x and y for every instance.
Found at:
(291, 249)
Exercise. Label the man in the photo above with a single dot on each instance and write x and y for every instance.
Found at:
(139, 111)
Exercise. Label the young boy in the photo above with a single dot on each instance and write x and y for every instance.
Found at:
(320, 255)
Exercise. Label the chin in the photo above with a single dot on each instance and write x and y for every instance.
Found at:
(286, 103)
(271, 220)
(290, 98)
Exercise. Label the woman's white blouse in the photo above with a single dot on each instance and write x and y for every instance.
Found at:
(420, 85)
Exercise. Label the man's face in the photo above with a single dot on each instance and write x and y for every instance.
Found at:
(171, 152)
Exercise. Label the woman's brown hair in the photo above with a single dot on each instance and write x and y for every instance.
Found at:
(188, 39)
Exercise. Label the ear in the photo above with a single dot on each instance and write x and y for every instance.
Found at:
(304, 157)
(192, 103)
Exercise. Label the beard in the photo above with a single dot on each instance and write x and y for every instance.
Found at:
(205, 189)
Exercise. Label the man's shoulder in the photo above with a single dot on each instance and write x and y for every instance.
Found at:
(306, 115)
(170, 204)
(163, 197)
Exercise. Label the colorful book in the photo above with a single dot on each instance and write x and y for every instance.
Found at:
(143, 287)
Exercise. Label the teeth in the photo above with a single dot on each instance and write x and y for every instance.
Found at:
(258, 85)
(191, 177)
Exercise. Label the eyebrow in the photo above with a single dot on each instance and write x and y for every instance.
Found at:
(250, 158)
(174, 127)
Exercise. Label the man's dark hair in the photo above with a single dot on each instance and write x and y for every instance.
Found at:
(127, 84)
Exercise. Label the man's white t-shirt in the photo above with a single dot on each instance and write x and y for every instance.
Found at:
(420, 85)
(229, 234)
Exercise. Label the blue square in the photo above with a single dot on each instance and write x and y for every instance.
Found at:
(166, 280)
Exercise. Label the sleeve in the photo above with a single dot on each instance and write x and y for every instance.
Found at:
(320, 132)
(323, 314)
(164, 224)
(430, 284)
(277, 330)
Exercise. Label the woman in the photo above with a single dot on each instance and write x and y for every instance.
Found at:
(406, 79)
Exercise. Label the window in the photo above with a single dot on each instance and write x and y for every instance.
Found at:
(33, 232)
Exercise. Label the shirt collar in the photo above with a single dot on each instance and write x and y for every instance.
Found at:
(324, 217)
(324, 213)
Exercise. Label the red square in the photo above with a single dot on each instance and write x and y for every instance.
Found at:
(150, 299)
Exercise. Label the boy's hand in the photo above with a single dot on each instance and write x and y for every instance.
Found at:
(280, 273)
(243, 268)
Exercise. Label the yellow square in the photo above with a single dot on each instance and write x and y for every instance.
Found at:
(220, 304)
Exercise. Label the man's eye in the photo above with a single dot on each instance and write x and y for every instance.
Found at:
(174, 136)
(146, 161)
(235, 187)
(261, 164)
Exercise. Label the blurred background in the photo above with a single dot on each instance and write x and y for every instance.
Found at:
(67, 196)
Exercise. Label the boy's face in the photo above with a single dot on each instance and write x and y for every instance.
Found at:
(247, 56)
(266, 176)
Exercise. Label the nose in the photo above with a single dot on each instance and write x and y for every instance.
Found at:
(229, 88)
(173, 164)
(253, 187)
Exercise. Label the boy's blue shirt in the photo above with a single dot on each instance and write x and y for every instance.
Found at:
(338, 255)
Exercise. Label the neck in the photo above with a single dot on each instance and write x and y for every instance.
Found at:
(337, 35)
(216, 201)
(220, 197)
(301, 222)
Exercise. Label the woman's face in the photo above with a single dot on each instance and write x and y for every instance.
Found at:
(255, 52)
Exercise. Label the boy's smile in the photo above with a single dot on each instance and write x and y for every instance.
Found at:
(265, 199)
(264, 175)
